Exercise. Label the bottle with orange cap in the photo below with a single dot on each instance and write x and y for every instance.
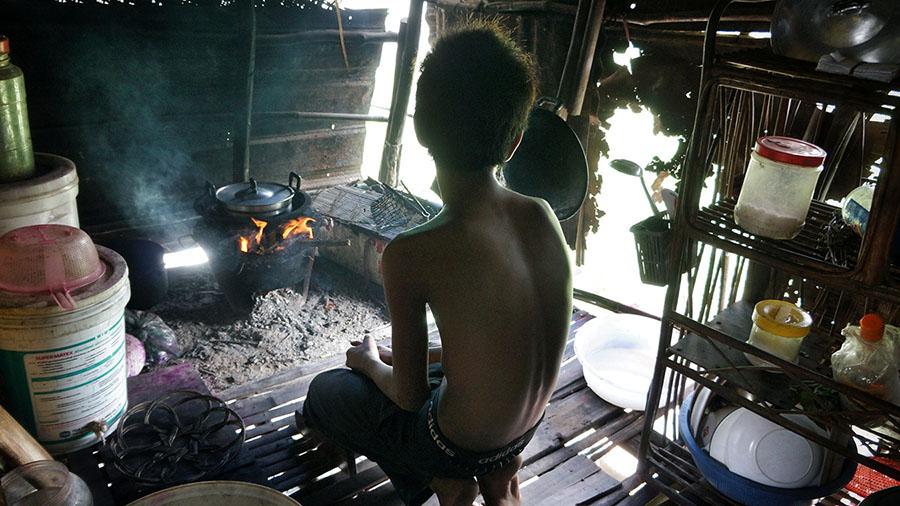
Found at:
(867, 359)
(16, 155)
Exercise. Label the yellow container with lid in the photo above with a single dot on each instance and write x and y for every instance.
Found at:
(778, 328)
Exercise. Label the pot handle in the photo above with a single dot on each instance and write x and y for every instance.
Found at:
(552, 104)
(294, 177)
(211, 189)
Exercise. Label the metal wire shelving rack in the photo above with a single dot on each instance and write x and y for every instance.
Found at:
(709, 351)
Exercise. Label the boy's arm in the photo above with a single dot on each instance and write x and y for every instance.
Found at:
(405, 381)
(387, 356)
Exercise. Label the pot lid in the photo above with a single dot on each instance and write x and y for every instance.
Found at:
(253, 196)
(790, 150)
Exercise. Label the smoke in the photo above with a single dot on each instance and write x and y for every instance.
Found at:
(145, 99)
(138, 162)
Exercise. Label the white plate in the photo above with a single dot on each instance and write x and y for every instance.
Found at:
(761, 450)
(701, 399)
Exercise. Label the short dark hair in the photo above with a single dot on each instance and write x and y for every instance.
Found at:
(473, 97)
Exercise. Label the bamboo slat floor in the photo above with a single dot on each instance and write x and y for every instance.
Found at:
(561, 463)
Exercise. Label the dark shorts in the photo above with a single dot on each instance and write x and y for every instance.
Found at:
(409, 446)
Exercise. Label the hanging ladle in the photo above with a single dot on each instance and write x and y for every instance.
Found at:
(630, 168)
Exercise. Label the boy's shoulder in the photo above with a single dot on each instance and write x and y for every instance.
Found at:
(531, 215)
(422, 232)
(412, 242)
(538, 208)
(533, 212)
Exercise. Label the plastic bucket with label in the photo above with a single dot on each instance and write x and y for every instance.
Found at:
(62, 372)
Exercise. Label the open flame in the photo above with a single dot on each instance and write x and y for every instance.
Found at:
(260, 227)
(254, 242)
(297, 226)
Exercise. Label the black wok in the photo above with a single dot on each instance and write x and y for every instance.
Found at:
(549, 164)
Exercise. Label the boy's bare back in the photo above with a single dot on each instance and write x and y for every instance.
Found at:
(493, 267)
(496, 276)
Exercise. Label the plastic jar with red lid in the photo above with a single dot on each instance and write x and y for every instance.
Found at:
(778, 187)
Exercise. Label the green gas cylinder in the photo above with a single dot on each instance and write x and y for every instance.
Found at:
(16, 155)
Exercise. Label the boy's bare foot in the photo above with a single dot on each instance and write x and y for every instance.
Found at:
(501, 487)
(454, 492)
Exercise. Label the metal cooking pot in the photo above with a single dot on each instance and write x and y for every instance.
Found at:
(223, 493)
(550, 162)
(256, 199)
(866, 30)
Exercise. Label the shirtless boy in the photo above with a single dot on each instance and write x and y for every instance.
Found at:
(493, 268)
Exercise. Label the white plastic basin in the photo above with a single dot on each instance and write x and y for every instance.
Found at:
(617, 353)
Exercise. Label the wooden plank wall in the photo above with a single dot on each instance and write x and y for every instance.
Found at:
(144, 97)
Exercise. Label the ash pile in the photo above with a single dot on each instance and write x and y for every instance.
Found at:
(282, 330)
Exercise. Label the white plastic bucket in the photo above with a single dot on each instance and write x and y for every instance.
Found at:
(62, 373)
(47, 198)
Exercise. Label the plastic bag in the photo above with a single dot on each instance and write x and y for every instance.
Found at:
(892, 334)
(870, 366)
(159, 339)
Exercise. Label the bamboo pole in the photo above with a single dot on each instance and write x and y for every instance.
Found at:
(241, 162)
(586, 60)
(407, 53)
(17, 444)
(686, 18)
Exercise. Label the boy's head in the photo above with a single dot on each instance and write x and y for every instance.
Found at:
(473, 97)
